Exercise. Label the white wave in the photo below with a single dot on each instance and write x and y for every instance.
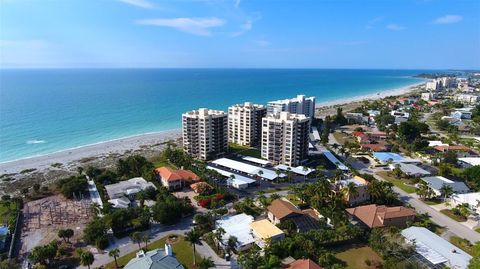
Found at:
(35, 141)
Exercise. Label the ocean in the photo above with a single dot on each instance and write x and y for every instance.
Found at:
(48, 110)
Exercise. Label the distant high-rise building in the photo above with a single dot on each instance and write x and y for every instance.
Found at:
(245, 123)
(205, 133)
(299, 105)
(285, 138)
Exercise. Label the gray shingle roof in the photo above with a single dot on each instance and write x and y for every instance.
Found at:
(154, 259)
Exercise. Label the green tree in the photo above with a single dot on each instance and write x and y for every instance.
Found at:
(193, 237)
(115, 253)
(137, 238)
(219, 232)
(446, 191)
(95, 229)
(206, 263)
(87, 258)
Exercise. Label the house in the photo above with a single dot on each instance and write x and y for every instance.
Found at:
(435, 251)
(361, 136)
(376, 216)
(376, 147)
(155, 259)
(410, 170)
(175, 179)
(460, 150)
(234, 180)
(238, 226)
(303, 264)
(400, 116)
(436, 183)
(356, 118)
(128, 187)
(122, 202)
(467, 162)
(471, 198)
(461, 114)
(264, 230)
(361, 186)
(390, 157)
(434, 143)
(201, 187)
(280, 210)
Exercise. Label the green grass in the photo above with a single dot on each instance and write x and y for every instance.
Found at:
(432, 202)
(5, 211)
(355, 257)
(477, 230)
(182, 250)
(271, 190)
(462, 244)
(161, 161)
(397, 182)
(450, 214)
(293, 199)
(246, 151)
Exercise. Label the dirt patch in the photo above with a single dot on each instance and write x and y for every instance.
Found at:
(43, 218)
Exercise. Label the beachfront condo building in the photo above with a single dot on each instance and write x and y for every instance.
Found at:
(299, 105)
(245, 123)
(285, 138)
(205, 133)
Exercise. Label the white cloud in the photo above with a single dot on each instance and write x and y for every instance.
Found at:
(262, 43)
(196, 26)
(447, 19)
(245, 27)
(373, 21)
(139, 3)
(237, 3)
(395, 27)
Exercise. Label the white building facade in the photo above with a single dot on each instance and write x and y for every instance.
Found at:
(285, 138)
(205, 133)
(299, 105)
(245, 123)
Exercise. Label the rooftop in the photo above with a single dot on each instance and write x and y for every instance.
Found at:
(264, 229)
(170, 174)
(128, 187)
(238, 226)
(373, 215)
(154, 259)
(246, 168)
(238, 179)
(301, 170)
(411, 169)
(304, 264)
(470, 160)
(437, 182)
(256, 160)
(281, 208)
(436, 249)
(334, 160)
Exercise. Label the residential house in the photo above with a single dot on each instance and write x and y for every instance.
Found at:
(123, 192)
(303, 264)
(155, 259)
(280, 210)
(264, 230)
(460, 150)
(239, 227)
(469, 161)
(437, 182)
(410, 170)
(376, 216)
(361, 187)
(173, 179)
(435, 251)
(471, 198)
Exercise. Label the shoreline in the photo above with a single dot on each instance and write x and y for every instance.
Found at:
(73, 156)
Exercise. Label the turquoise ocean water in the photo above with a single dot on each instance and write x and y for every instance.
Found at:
(43, 111)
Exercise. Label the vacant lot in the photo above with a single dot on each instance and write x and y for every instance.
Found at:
(400, 183)
(355, 257)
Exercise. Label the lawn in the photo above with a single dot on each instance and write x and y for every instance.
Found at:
(450, 214)
(6, 208)
(355, 257)
(397, 182)
(293, 199)
(462, 243)
(477, 230)
(342, 138)
(246, 151)
(433, 202)
(182, 250)
(161, 161)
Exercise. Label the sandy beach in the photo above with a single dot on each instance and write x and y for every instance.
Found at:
(106, 153)
(71, 157)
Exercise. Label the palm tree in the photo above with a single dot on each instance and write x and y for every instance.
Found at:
(206, 263)
(219, 235)
(271, 262)
(446, 191)
(96, 208)
(260, 173)
(137, 238)
(337, 175)
(86, 258)
(193, 237)
(232, 243)
(350, 190)
(115, 253)
(146, 239)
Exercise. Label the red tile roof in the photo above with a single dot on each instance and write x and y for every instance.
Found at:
(359, 134)
(373, 216)
(453, 147)
(304, 264)
(374, 147)
(170, 174)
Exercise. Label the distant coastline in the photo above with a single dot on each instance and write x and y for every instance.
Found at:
(71, 158)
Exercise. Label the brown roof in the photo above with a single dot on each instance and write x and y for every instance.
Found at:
(373, 215)
(170, 174)
(453, 147)
(374, 147)
(304, 264)
(199, 186)
(281, 208)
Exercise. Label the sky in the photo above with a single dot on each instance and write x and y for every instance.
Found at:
(391, 34)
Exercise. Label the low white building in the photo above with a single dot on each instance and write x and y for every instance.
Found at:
(467, 98)
(428, 96)
(462, 113)
(471, 198)
(411, 170)
(436, 251)
(238, 226)
(436, 183)
(234, 180)
(128, 187)
(467, 162)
